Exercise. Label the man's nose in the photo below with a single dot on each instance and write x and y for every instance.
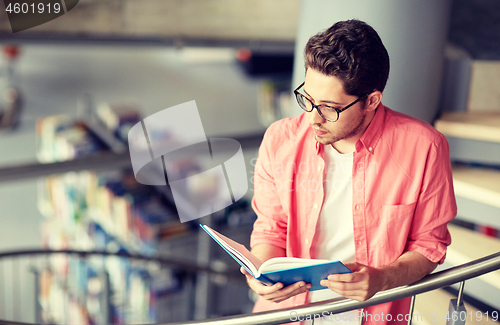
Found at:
(315, 118)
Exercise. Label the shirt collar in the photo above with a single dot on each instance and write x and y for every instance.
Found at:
(373, 132)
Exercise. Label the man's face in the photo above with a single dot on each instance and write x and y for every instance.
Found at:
(329, 90)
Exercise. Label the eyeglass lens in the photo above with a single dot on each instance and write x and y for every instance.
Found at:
(327, 113)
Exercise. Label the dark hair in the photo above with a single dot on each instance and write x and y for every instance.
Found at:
(353, 52)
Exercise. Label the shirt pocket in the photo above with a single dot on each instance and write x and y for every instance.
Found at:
(394, 228)
(399, 211)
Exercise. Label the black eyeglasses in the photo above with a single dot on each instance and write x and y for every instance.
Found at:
(329, 113)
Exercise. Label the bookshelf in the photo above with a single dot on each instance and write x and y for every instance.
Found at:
(109, 210)
(474, 138)
(468, 245)
(106, 211)
(478, 184)
(475, 125)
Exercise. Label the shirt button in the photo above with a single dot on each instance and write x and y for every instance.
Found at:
(370, 149)
(356, 207)
(315, 205)
(320, 167)
(307, 241)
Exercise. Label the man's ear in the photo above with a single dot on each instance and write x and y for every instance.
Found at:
(373, 100)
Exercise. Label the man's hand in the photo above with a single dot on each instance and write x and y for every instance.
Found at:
(365, 281)
(275, 293)
(360, 285)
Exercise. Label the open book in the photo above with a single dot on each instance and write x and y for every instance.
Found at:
(287, 270)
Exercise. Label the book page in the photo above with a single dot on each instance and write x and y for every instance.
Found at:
(283, 263)
(238, 251)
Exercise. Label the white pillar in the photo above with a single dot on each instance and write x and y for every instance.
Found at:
(414, 33)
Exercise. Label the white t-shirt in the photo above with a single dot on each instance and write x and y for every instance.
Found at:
(334, 239)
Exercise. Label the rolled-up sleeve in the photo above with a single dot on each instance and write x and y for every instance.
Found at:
(436, 206)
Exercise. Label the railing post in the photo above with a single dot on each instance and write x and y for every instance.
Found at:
(203, 287)
(457, 313)
(106, 299)
(38, 307)
(412, 307)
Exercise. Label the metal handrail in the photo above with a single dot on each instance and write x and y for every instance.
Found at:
(428, 283)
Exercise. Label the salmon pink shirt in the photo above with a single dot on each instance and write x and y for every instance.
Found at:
(402, 194)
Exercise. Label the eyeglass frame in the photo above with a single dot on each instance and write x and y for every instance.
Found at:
(297, 93)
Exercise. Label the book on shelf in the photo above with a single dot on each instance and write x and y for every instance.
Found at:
(287, 270)
(118, 118)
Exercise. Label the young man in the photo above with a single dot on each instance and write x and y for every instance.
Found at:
(351, 180)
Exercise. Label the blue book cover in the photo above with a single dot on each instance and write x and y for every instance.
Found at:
(287, 270)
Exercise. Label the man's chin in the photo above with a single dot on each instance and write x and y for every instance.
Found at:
(324, 140)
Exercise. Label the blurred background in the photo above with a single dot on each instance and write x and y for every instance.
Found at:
(70, 90)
